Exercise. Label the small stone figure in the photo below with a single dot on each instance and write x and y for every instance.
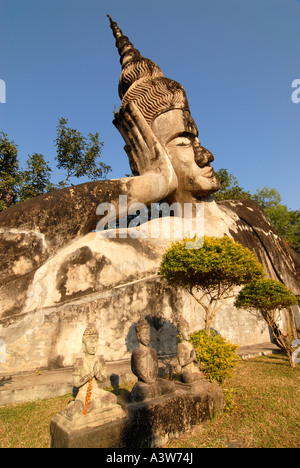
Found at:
(144, 364)
(186, 354)
(90, 370)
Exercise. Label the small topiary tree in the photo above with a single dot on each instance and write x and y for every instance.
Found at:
(211, 271)
(217, 356)
(268, 297)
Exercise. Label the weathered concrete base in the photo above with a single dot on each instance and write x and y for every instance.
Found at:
(147, 424)
(99, 429)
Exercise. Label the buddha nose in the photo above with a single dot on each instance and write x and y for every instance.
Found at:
(202, 155)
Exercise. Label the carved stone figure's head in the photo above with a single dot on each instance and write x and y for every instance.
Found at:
(164, 105)
(143, 332)
(183, 329)
(90, 339)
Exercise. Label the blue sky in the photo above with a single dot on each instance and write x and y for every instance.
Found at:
(236, 59)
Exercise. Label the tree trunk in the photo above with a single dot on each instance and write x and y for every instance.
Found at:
(280, 340)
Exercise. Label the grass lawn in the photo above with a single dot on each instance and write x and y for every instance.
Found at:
(266, 394)
(265, 412)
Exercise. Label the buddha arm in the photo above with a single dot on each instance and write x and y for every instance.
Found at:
(144, 364)
(80, 375)
(184, 356)
(100, 369)
(147, 156)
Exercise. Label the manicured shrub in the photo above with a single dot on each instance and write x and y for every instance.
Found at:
(210, 272)
(265, 298)
(217, 356)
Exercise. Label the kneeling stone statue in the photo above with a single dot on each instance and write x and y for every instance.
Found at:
(186, 355)
(144, 365)
(89, 373)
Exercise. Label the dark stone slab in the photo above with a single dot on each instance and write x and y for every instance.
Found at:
(147, 424)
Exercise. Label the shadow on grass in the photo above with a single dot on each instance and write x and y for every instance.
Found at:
(278, 359)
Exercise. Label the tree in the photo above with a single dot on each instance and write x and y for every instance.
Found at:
(210, 273)
(267, 297)
(35, 179)
(267, 198)
(294, 227)
(77, 155)
(286, 222)
(9, 172)
(18, 185)
(230, 188)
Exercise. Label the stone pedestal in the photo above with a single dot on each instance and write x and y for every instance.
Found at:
(146, 424)
(99, 429)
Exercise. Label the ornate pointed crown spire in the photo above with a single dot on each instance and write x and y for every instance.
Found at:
(134, 66)
(143, 82)
(126, 50)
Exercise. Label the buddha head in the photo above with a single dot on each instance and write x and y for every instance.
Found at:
(183, 329)
(143, 332)
(90, 339)
(164, 105)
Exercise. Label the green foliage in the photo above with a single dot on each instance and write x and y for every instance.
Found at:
(265, 295)
(268, 296)
(77, 155)
(230, 189)
(18, 185)
(215, 268)
(292, 233)
(286, 222)
(35, 180)
(9, 172)
(218, 265)
(218, 357)
(267, 198)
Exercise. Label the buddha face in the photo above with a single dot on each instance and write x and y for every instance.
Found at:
(184, 333)
(90, 343)
(143, 335)
(177, 131)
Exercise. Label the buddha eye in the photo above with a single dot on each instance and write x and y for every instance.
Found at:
(181, 141)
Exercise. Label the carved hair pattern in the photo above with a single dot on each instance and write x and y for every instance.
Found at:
(91, 330)
(155, 96)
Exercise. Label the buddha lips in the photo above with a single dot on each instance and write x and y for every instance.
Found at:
(88, 396)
